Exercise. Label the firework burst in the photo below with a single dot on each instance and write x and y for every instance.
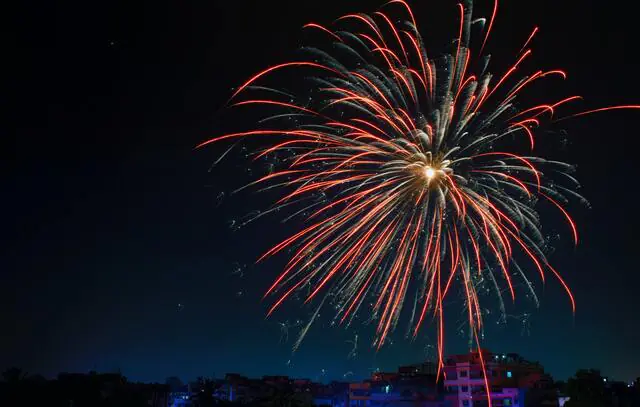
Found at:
(408, 173)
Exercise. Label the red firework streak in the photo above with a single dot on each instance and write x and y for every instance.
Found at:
(406, 171)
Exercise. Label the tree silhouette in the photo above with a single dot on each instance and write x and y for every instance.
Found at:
(14, 375)
(286, 397)
(174, 383)
(586, 389)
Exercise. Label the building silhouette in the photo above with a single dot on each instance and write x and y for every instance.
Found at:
(510, 379)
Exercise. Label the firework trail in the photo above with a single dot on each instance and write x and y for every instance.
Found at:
(408, 171)
(284, 329)
(354, 349)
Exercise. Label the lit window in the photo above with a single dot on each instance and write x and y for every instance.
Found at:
(509, 375)
(507, 402)
(465, 403)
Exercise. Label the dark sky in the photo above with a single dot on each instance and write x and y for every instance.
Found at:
(110, 219)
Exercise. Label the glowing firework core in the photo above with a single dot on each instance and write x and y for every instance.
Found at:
(433, 171)
(429, 173)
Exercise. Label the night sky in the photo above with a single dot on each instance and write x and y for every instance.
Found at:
(110, 219)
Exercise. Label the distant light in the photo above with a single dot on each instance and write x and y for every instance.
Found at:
(604, 379)
(509, 374)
